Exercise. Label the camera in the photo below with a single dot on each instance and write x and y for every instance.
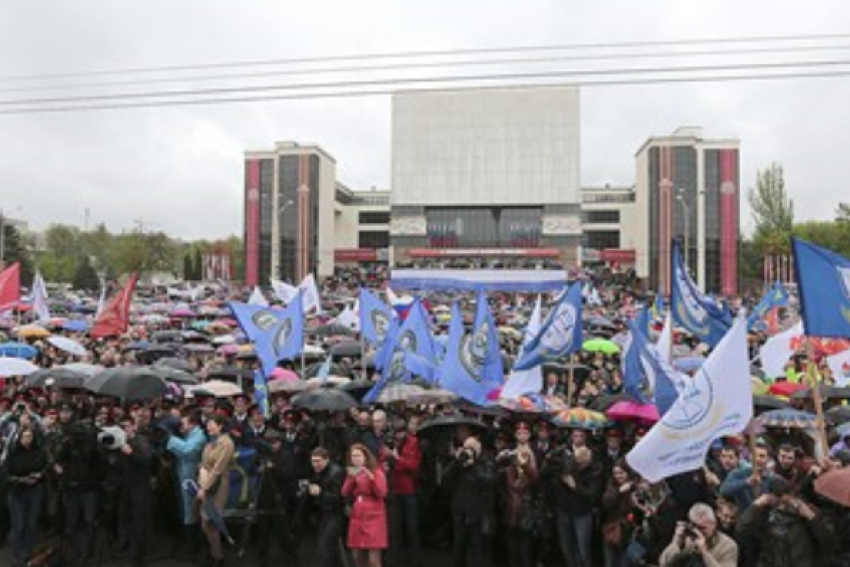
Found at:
(690, 531)
(19, 408)
(303, 487)
(506, 458)
(465, 457)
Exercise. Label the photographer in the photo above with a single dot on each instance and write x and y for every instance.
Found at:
(699, 542)
(25, 466)
(327, 506)
(134, 504)
(473, 477)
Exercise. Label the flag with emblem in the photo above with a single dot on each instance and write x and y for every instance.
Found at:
(375, 317)
(777, 296)
(824, 281)
(561, 333)
(699, 314)
(277, 334)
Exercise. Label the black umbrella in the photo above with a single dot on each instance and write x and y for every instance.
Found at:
(838, 415)
(324, 399)
(155, 352)
(358, 388)
(450, 421)
(605, 401)
(175, 375)
(333, 329)
(230, 373)
(346, 349)
(312, 370)
(128, 383)
(826, 392)
(768, 402)
(167, 337)
(194, 336)
(60, 378)
(176, 363)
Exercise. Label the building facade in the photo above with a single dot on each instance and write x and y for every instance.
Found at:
(687, 189)
(486, 177)
(609, 225)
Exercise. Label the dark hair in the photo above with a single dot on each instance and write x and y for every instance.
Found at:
(220, 420)
(321, 452)
(193, 416)
(371, 461)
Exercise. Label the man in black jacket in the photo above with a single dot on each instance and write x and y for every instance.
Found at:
(473, 476)
(134, 493)
(328, 507)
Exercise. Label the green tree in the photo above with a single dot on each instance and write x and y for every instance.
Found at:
(16, 250)
(237, 257)
(187, 267)
(772, 210)
(85, 276)
(197, 264)
(842, 212)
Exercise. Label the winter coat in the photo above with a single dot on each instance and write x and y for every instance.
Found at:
(520, 490)
(367, 527)
(21, 463)
(785, 538)
(407, 466)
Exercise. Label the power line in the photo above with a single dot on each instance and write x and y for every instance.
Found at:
(380, 92)
(433, 65)
(432, 53)
(358, 84)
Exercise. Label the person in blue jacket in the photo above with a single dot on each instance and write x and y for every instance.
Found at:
(187, 452)
(744, 485)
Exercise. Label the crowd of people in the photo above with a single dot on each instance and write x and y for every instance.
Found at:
(214, 479)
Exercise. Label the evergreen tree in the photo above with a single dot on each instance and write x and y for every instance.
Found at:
(85, 277)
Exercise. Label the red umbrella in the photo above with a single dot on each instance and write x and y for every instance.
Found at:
(284, 374)
(633, 411)
(835, 485)
(786, 389)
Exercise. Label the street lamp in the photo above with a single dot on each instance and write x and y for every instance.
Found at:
(280, 211)
(680, 197)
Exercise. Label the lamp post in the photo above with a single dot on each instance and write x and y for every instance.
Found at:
(280, 212)
(680, 197)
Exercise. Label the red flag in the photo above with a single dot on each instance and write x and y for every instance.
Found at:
(115, 316)
(10, 287)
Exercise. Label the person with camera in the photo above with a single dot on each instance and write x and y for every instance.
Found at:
(698, 542)
(214, 481)
(366, 483)
(134, 492)
(473, 478)
(789, 530)
(25, 466)
(187, 448)
(328, 506)
(521, 511)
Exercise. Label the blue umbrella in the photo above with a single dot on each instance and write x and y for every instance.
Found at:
(208, 507)
(81, 308)
(18, 350)
(138, 345)
(844, 430)
(76, 325)
(688, 364)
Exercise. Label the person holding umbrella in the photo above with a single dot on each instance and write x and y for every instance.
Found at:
(25, 466)
(213, 483)
(367, 484)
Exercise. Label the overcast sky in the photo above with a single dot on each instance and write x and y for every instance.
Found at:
(180, 169)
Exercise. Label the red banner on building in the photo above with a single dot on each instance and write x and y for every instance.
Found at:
(617, 255)
(351, 255)
(115, 318)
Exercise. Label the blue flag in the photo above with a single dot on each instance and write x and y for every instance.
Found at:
(561, 333)
(277, 334)
(658, 306)
(375, 318)
(470, 369)
(824, 281)
(643, 320)
(777, 296)
(698, 314)
(633, 382)
(644, 367)
(261, 392)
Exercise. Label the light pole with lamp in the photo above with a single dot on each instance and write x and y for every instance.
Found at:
(680, 197)
(280, 212)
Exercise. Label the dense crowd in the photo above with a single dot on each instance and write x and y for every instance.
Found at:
(210, 478)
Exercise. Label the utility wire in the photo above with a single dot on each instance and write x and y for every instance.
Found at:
(432, 65)
(433, 53)
(451, 79)
(379, 92)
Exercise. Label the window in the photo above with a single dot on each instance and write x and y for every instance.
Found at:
(374, 217)
(374, 239)
(602, 239)
(602, 217)
(484, 227)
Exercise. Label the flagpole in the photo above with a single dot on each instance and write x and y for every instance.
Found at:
(571, 381)
(812, 373)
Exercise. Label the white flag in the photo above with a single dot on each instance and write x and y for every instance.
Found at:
(39, 299)
(311, 294)
(392, 298)
(521, 382)
(350, 318)
(840, 366)
(716, 402)
(101, 303)
(594, 298)
(257, 298)
(778, 349)
(664, 346)
(284, 291)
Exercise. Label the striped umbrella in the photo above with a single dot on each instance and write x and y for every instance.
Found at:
(581, 418)
(788, 419)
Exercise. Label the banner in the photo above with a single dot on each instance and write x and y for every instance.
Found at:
(561, 333)
(115, 316)
(277, 334)
(824, 280)
(39, 299)
(692, 310)
(10, 287)
(526, 381)
(778, 350)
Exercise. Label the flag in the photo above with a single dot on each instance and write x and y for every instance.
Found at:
(526, 381)
(349, 318)
(717, 402)
(261, 392)
(630, 366)
(777, 296)
(485, 348)
(664, 346)
(284, 291)
(277, 334)
(594, 298)
(115, 316)
(392, 298)
(560, 334)
(658, 306)
(824, 281)
(325, 370)
(101, 302)
(375, 317)
(840, 366)
(665, 382)
(692, 310)
(778, 349)
(257, 298)
(643, 320)
(310, 292)
(464, 370)
(39, 299)
(10, 287)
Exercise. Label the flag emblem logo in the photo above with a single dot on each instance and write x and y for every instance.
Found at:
(381, 324)
(281, 337)
(264, 320)
(559, 336)
(474, 350)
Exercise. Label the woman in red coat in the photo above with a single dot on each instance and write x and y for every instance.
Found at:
(367, 528)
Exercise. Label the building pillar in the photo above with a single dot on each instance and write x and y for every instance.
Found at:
(303, 256)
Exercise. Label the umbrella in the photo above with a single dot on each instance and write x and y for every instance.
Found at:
(681, 350)
(769, 402)
(788, 418)
(167, 337)
(128, 383)
(68, 345)
(16, 367)
(175, 375)
(838, 414)
(324, 399)
(835, 485)
(431, 397)
(605, 401)
(76, 325)
(348, 349)
(399, 392)
(633, 411)
(32, 332)
(138, 345)
(580, 418)
(333, 329)
(199, 348)
(602, 322)
(312, 370)
(786, 389)
(283, 374)
(843, 430)
(328, 381)
(230, 373)
(176, 364)
(450, 421)
(826, 392)
(217, 388)
(358, 388)
(228, 349)
(603, 346)
(84, 368)
(289, 386)
(688, 364)
(18, 350)
(58, 377)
